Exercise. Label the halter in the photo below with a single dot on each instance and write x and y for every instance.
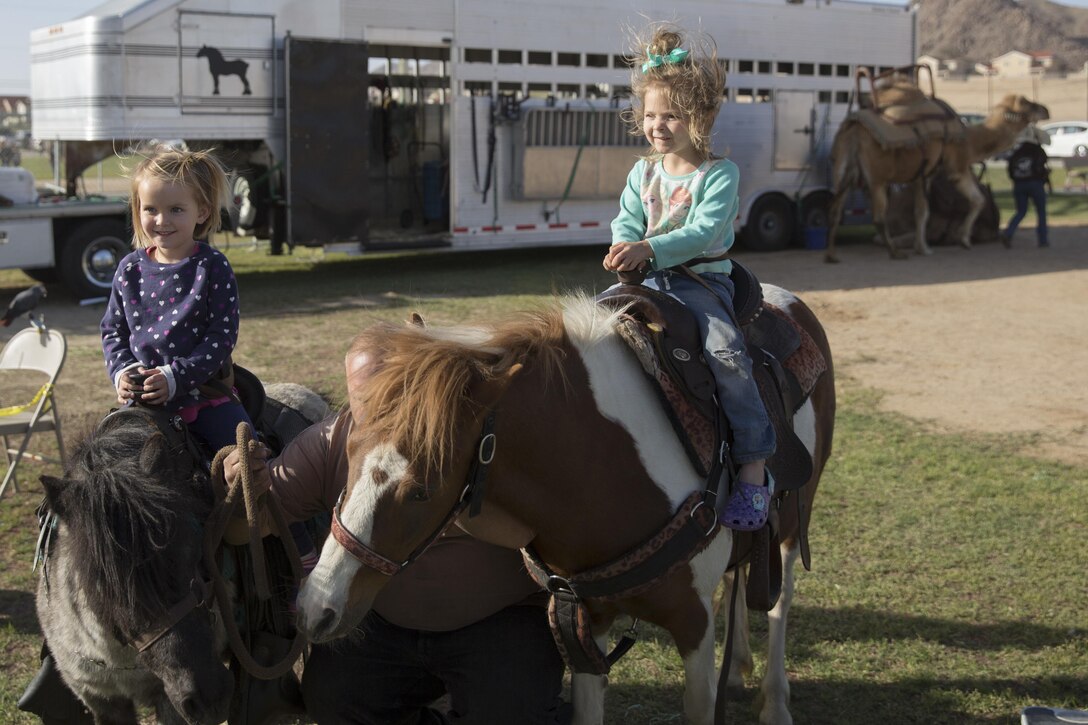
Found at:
(471, 497)
(199, 596)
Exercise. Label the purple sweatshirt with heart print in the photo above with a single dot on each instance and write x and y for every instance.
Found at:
(181, 318)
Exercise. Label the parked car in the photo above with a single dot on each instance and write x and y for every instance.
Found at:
(1067, 139)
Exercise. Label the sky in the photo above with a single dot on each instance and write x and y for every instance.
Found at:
(19, 17)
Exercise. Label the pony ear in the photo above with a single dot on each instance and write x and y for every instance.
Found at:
(417, 320)
(153, 455)
(358, 365)
(54, 493)
(487, 393)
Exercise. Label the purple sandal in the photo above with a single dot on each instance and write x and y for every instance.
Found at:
(747, 508)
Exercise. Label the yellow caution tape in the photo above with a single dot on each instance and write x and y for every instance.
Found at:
(14, 409)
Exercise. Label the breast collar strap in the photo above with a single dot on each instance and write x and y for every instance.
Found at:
(471, 497)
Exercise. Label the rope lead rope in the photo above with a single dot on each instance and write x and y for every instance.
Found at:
(217, 526)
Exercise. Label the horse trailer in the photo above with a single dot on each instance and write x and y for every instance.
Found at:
(460, 123)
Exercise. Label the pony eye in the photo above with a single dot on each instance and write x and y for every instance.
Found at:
(419, 494)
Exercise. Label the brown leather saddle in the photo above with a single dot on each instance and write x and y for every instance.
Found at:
(786, 363)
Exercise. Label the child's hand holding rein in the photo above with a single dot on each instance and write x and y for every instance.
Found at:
(627, 256)
(147, 385)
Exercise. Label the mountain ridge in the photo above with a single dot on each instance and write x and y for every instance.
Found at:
(951, 29)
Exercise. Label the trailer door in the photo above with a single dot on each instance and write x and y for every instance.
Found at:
(793, 127)
(327, 141)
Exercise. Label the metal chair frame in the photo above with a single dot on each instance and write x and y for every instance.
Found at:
(44, 351)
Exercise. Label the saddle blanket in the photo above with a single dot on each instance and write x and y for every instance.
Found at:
(911, 125)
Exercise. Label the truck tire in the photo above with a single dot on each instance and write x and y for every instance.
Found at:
(90, 254)
(771, 224)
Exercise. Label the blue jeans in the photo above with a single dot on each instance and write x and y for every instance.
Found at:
(503, 669)
(217, 426)
(1021, 192)
(727, 356)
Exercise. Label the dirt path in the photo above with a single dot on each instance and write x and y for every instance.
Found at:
(988, 340)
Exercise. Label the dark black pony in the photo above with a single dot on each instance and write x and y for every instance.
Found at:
(122, 601)
(220, 67)
(125, 599)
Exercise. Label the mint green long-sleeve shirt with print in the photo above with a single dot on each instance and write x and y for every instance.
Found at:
(682, 217)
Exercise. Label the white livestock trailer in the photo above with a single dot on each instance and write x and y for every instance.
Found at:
(463, 123)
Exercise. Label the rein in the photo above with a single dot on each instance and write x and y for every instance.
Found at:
(471, 497)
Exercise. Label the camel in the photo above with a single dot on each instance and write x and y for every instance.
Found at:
(858, 158)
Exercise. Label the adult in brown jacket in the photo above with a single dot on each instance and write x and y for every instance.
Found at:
(464, 620)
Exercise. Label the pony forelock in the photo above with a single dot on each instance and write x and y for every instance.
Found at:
(124, 522)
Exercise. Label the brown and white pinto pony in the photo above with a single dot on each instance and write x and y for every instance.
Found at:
(586, 467)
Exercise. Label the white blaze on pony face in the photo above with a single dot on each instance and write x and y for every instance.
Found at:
(623, 395)
(329, 584)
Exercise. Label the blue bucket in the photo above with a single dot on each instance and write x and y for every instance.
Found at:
(816, 238)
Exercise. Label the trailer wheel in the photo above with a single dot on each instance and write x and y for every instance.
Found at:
(770, 226)
(90, 256)
(816, 210)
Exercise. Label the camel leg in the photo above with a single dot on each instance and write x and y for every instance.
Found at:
(740, 664)
(965, 184)
(879, 195)
(921, 216)
(775, 690)
(833, 219)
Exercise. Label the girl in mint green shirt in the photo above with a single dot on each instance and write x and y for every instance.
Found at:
(678, 207)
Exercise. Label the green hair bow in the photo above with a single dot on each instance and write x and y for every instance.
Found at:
(676, 55)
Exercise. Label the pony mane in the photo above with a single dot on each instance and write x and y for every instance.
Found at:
(125, 521)
(418, 392)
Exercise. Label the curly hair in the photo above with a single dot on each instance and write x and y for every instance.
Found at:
(199, 171)
(693, 85)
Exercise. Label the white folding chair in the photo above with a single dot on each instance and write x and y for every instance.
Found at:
(42, 351)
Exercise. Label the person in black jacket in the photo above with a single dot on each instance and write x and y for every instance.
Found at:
(1030, 180)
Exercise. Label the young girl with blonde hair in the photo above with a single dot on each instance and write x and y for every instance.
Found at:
(678, 207)
(172, 319)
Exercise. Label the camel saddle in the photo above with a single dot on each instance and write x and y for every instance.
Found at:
(911, 122)
(786, 364)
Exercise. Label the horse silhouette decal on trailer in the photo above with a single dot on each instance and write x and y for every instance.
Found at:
(221, 67)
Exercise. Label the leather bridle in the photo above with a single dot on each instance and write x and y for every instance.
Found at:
(471, 497)
(200, 595)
